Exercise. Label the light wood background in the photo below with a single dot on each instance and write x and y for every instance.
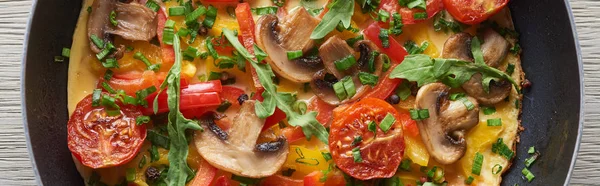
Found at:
(15, 167)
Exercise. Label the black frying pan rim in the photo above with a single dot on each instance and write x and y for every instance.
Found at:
(573, 31)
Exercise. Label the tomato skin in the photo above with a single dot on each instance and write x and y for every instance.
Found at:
(380, 158)
(131, 82)
(193, 96)
(473, 12)
(407, 14)
(93, 136)
(205, 175)
(279, 180)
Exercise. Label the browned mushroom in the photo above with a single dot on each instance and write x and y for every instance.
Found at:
(444, 131)
(239, 153)
(494, 49)
(277, 37)
(134, 21)
(333, 50)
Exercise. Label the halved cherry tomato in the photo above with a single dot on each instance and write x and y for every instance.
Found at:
(167, 51)
(205, 174)
(244, 17)
(407, 14)
(381, 152)
(279, 180)
(313, 179)
(193, 96)
(473, 12)
(324, 112)
(98, 140)
(232, 94)
(131, 82)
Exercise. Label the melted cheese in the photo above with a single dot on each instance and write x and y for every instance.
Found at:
(85, 70)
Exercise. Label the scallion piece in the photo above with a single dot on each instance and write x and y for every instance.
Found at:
(152, 5)
(388, 121)
(396, 24)
(383, 15)
(349, 86)
(531, 159)
(345, 63)
(497, 169)
(130, 175)
(356, 155)
(419, 114)
(477, 163)
(211, 16)
(455, 96)
(291, 55)
(371, 62)
(339, 90)
(108, 88)
(372, 126)
(265, 10)
(357, 140)
(405, 164)
(224, 106)
(96, 97)
(384, 37)
(176, 11)
(97, 41)
(168, 34)
(214, 76)
(326, 156)
(113, 18)
(190, 53)
(59, 59)
(528, 174)
(141, 57)
(142, 94)
(387, 63)
(510, 69)
(108, 75)
(502, 149)
(142, 119)
(531, 150)
(423, 114)
(368, 78)
(66, 52)
(353, 40)
(420, 15)
(183, 32)
(494, 122)
(102, 54)
(469, 180)
(154, 155)
(300, 107)
(194, 15)
(467, 103)
(142, 162)
(489, 110)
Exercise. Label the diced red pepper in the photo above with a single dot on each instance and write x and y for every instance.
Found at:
(193, 96)
(205, 175)
(244, 17)
(279, 180)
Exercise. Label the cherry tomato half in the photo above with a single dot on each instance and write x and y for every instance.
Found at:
(473, 12)
(407, 14)
(381, 152)
(98, 140)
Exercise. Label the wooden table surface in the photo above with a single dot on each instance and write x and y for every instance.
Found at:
(15, 167)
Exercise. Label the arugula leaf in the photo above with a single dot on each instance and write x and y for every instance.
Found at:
(272, 98)
(340, 10)
(178, 152)
(452, 72)
(476, 50)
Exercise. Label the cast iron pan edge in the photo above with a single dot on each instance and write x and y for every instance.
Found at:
(43, 91)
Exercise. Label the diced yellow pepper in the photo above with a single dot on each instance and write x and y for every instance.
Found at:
(305, 161)
(416, 150)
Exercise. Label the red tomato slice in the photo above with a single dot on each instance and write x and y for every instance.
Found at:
(167, 51)
(193, 96)
(381, 153)
(407, 14)
(313, 179)
(98, 140)
(279, 180)
(131, 82)
(473, 12)
(396, 52)
(205, 174)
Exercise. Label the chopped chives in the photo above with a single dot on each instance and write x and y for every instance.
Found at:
(97, 41)
(469, 180)
(531, 150)
(531, 159)
(294, 54)
(489, 110)
(339, 90)
(494, 122)
(152, 5)
(455, 96)
(108, 75)
(344, 63)
(467, 103)
(419, 114)
(497, 169)
(405, 164)
(387, 122)
(66, 52)
(502, 149)
(349, 86)
(353, 40)
(368, 78)
(224, 106)
(96, 97)
(326, 156)
(265, 10)
(356, 155)
(183, 32)
(130, 174)
(211, 15)
(477, 163)
(142, 94)
(396, 24)
(387, 63)
(154, 155)
(383, 15)
(357, 140)
(176, 11)
(420, 15)
(141, 57)
(214, 76)
(113, 18)
(108, 88)
(194, 15)
(384, 37)
(142, 119)
(371, 62)
(102, 54)
(190, 53)
(170, 24)
(372, 126)
(168, 35)
(528, 174)
(142, 162)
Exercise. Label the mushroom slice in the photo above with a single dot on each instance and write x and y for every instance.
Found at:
(444, 131)
(335, 49)
(292, 34)
(135, 21)
(494, 48)
(237, 154)
(498, 90)
(365, 47)
(458, 46)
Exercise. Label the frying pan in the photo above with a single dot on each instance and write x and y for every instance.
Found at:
(552, 107)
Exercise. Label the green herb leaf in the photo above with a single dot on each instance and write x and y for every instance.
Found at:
(339, 10)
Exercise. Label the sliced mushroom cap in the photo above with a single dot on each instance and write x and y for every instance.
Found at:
(498, 90)
(292, 34)
(444, 131)
(494, 49)
(135, 21)
(335, 49)
(237, 154)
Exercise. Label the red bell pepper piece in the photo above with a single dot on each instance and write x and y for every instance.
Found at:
(193, 96)
(205, 175)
